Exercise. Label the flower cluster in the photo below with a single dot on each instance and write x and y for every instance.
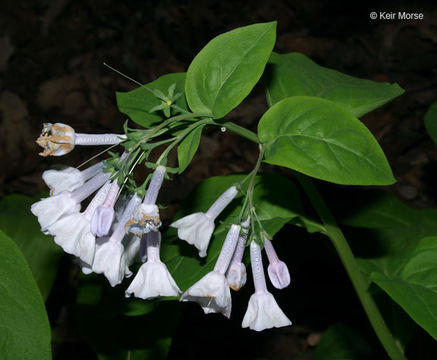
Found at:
(116, 229)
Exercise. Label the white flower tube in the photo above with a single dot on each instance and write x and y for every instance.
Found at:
(236, 274)
(72, 232)
(153, 278)
(277, 269)
(50, 210)
(59, 139)
(109, 258)
(212, 291)
(197, 228)
(69, 179)
(262, 312)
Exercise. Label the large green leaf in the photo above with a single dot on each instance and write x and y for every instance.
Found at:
(411, 280)
(137, 103)
(276, 200)
(322, 140)
(341, 342)
(228, 67)
(24, 326)
(294, 74)
(431, 122)
(40, 251)
(397, 246)
(188, 147)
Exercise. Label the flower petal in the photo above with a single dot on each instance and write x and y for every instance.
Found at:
(264, 313)
(153, 280)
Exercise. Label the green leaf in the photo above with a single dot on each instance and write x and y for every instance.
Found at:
(188, 147)
(431, 122)
(138, 103)
(228, 67)
(411, 280)
(40, 251)
(381, 226)
(24, 326)
(322, 140)
(341, 342)
(294, 74)
(401, 250)
(276, 200)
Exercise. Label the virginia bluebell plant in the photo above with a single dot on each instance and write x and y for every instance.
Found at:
(311, 127)
(108, 244)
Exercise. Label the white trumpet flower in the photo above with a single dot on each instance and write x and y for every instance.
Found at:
(153, 278)
(69, 178)
(59, 139)
(212, 291)
(109, 258)
(72, 232)
(197, 228)
(262, 312)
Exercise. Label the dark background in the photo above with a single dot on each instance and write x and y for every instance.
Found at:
(51, 55)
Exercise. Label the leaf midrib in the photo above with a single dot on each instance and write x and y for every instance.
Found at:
(316, 138)
(234, 69)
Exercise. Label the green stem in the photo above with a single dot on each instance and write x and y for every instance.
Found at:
(164, 124)
(250, 135)
(344, 252)
(352, 269)
(181, 136)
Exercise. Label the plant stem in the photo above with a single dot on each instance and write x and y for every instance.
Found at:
(352, 269)
(250, 135)
(344, 252)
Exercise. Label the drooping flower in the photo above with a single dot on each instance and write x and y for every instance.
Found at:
(103, 216)
(197, 228)
(56, 139)
(59, 139)
(69, 178)
(146, 217)
(262, 312)
(277, 269)
(236, 274)
(50, 210)
(109, 258)
(72, 232)
(153, 278)
(212, 291)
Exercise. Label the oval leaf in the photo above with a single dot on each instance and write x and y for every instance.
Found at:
(228, 67)
(40, 251)
(24, 326)
(322, 140)
(295, 74)
(138, 103)
(411, 279)
(188, 148)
